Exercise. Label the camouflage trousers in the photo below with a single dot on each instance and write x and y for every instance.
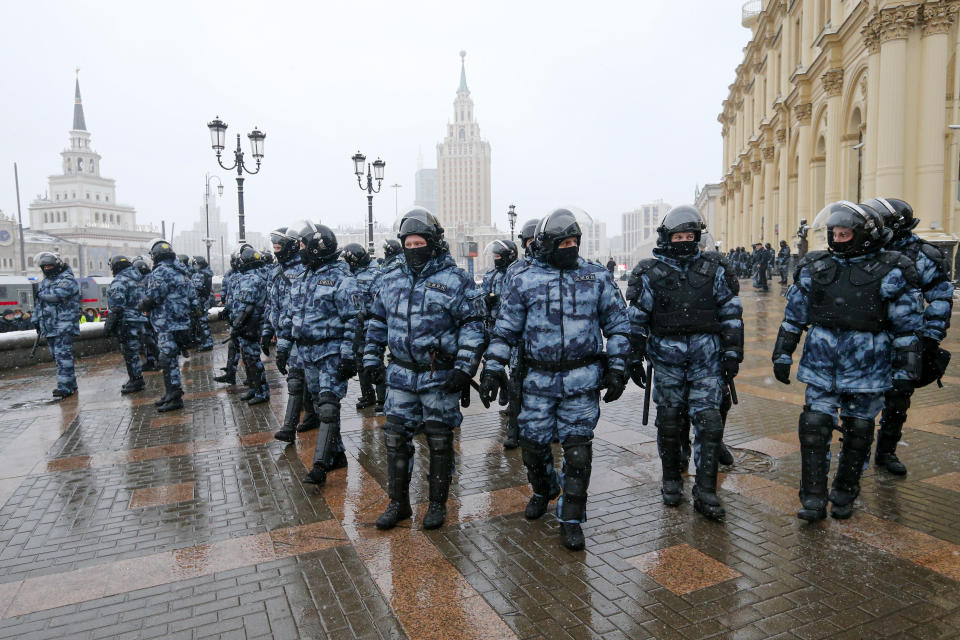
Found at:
(130, 338)
(204, 337)
(855, 405)
(250, 350)
(542, 417)
(321, 371)
(61, 348)
(673, 387)
(406, 410)
(170, 351)
(148, 343)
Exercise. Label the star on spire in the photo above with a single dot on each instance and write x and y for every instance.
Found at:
(79, 123)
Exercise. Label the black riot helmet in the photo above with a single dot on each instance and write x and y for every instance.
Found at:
(866, 224)
(250, 258)
(141, 264)
(160, 249)
(504, 253)
(184, 259)
(678, 220)
(118, 264)
(50, 263)
(200, 262)
(267, 256)
(391, 248)
(897, 215)
(528, 231)
(418, 221)
(319, 244)
(558, 225)
(234, 260)
(355, 256)
(289, 244)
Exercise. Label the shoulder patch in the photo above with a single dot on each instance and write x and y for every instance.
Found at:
(326, 283)
(583, 277)
(436, 286)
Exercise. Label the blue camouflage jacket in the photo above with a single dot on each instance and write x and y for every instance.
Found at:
(202, 280)
(323, 308)
(279, 283)
(561, 316)
(699, 350)
(169, 287)
(848, 361)
(493, 290)
(935, 285)
(367, 279)
(389, 265)
(250, 292)
(436, 316)
(226, 289)
(125, 294)
(57, 311)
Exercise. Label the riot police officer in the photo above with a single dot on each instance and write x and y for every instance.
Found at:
(227, 293)
(372, 392)
(783, 261)
(125, 320)
(168, 301)
(937, 289)
(57, 317)
(202, 281)
(148, 337)
(321, 320)
(861, 309)
(430, 314)
(560, 308)
(246, 319)
(289, 267)
(504, 254)
(687, 319)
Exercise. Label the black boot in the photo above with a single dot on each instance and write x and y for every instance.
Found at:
(381, 396)
(891, 429)
(440, 440)
(230, 377)
(337, 460)
(328, 410)
(815, 429)
(572, 508)
(685, 448)
(710, 430)
(670, 440)
(167, 384)
(724, 456)
(288, 431)
(310, 419)
(511, 439)
(857, 439)
(133, 385)
(399, 455)
(538, 459)
(173, 398)
(368, 396)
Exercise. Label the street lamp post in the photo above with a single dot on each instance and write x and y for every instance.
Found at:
(512, 217)
(358, 161)
(218, 134)
(396, 199)
(207, 240)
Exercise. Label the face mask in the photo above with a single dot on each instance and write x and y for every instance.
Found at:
(417, 258)
(500, 263)
(565, 258)
(684, 249)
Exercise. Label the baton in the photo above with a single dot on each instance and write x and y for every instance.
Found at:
(486, 404)
(646, 393)
(733, 391)
(36, 343)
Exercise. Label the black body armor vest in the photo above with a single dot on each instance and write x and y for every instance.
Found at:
(683, 303)
(848, 296)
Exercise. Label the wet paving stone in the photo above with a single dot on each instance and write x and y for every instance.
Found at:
(229, 543)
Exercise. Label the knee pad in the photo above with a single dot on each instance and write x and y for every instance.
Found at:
(710, 425)
(395, 426)
(439, 435)
(533, 453)
(295, 381)
(857, 433)
(577, 453)
(897, 405)
(814, 428)
(394, 441)
(670, 419)
(328, 412)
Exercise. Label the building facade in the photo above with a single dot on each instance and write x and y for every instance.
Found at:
(640, 229)
(841, 99)
(191, 241)
(426, 189)
(463, 166)
(707, 202)
(81, 205)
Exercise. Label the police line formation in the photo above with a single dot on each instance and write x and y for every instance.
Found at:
(552, 332)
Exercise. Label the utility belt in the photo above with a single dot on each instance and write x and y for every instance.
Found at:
(438, 362)
(562, 365)
(310, 341)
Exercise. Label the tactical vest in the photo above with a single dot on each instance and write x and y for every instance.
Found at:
(683, 302)
(933, 252)
(848, 296)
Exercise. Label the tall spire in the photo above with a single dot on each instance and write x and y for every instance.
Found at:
(79, 123)
(463, 74)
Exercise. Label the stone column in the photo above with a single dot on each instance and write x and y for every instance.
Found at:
(769, 173)
(802, 112)
(783, 220)
(737, 213)
(833, 87)
(756, 168)
(747, 217)
(938, 19)
(894, 27)
(872, 43)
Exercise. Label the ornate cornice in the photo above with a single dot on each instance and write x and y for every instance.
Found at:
(768, 153)
(938, 17)
(896, 23)
(780, 136)
(803, 112)
(832, 80)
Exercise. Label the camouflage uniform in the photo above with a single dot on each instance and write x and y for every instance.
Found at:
(202, 281)
(57, 317)
(246, 322)
(783, 263)
(561, 318)
(228, 295)
(368, 279)
(173, 299)
(124, 297)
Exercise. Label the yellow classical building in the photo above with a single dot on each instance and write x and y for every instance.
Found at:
(841, 99)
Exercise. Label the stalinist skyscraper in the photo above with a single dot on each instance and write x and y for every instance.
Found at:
(463, 167)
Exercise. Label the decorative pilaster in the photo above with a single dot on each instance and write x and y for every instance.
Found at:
(803, 112)
(832, 81)
(780, 136)
(938, 17)
(755, 166)
(768, 153)
(896, 23)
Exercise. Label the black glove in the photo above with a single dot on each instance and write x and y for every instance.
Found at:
(615, 382)
(457, 382)
(281, 360)
(376, 373)
(347, 368)
(781, 371)
(465, 398)
(490, 383)
(110, 326)
(638, 373)
(730, 367)
(265, 344)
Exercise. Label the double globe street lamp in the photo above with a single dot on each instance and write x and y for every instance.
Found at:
(218, 135)
(359, 160)
(512, 217)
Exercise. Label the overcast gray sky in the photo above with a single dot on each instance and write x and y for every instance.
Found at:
(605, 105)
